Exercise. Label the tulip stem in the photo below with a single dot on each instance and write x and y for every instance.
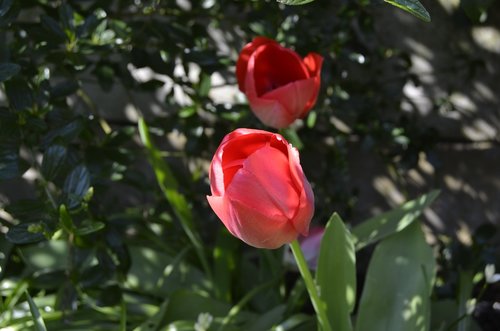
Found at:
(317, 303)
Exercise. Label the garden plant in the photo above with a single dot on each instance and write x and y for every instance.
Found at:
(184, 165)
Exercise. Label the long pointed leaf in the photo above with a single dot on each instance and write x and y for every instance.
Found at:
(169, 186)
(385, 224)
(398, 284)
(35, 314)
(336, 274)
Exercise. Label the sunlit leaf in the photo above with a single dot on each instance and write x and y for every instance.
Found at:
(398, 285)
(169, 186)
(336, 273)
(385, 224)
(414, 7)
(35, 314)
(294, 2)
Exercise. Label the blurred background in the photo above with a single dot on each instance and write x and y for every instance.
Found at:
(405, 107)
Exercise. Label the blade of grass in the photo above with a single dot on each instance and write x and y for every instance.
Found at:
(35, 314)
(170, 188)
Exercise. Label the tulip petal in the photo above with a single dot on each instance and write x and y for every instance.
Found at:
(305, 210)
(236, 151)
(313, 62)
(216, 174)
(222, 209)
(294, 97)
(270, 112)
(265, 183)
(273, 66)
(246, 52)
(258, 230)
(233, 150)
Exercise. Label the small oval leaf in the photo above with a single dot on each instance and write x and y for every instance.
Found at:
(51, 25)
(7, 70)
(88, 227)
(25, 233)
(76, 186)
(53, 160)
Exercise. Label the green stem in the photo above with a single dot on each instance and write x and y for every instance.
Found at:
(311, 286)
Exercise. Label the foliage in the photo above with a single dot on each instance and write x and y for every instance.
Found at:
(101, 242)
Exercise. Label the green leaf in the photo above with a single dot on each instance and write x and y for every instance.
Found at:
(88, 227)
(76, 186)
(25, 233)
(19, 93)
(9, 161)
(53, 160)
(169, 186)
(187, 111)
(9, 10)
(311, 119)
(385, 224)
(5, 6)
(293, 322)
(336, 273)
(66, 17)
(65, 219)
(204, 85)
(7, 70)
(414, 7)
(35, 314)
(294, 2)
(398, 284)
(66, 133)
(53, 27)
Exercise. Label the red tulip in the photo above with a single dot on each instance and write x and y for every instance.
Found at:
(280, 86)
(259, 190)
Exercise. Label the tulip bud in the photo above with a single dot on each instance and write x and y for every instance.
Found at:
(259, 190)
